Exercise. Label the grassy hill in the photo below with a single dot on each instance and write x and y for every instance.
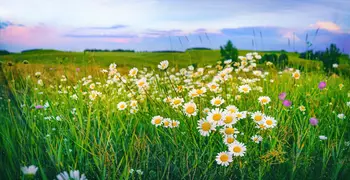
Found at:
(148, 59)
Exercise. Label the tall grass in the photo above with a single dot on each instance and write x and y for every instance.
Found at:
(106, 143)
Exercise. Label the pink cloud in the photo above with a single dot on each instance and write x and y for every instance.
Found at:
(330, 26)
(30, 36)
(290, 35)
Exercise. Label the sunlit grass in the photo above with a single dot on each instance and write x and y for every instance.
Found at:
(81, 127)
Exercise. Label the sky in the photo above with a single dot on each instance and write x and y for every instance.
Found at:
(148, 25)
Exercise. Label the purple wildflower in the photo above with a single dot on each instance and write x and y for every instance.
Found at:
(287, 103)
(322, 85)
(313, 121)
(39, 107)
(282, 96)
(77, 69)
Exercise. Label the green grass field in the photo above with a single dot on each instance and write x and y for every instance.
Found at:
(201, 57)
(107, 124)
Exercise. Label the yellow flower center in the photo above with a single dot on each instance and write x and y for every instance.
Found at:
(190, 110)
(237, 149)
(177, 101)
(229, 131)
(296, 75)
(213, 86)
(230, 140)
(122, 106)
(206, 126)
(217, 102)
(166, 123)
(239, 115)
(269, 122)
(217, 117)
(228, 119)
(224, 157)
(264, 100)
(174, 124)
(232, 110)
(141, 83)
(157, 121)
(245, 89)
(199, 91)
(258, 118)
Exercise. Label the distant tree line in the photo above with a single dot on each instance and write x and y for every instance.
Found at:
(39, 50)
(108, 50)
(198, 48)
(4, 52)
(329, 57)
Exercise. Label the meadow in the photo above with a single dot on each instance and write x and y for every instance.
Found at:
(136, 116)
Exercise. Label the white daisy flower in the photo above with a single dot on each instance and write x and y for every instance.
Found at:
(112, 67)
(213, 87)
(229, 130)
(190, 109)
(206, 110)
(176, 102)
(237, 148)
(174, 124)
(30, 170)
(270, 122)
(217, 101)
(244, 89)
(205, 127)
(263, 100)
(166, 122)
(142, 83)
(241, 115)
(163, 65)
(157, 120)
(73, 175)
(215, 116)
(133, 72)
(341, 116)
(232, 109)
(258, 117)
(122, 105)
(230, 139)
(296, 74)
(323, 137)
(257, 139)
(229, 119)
(224, 158)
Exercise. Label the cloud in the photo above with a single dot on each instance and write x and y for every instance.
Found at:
(30, 36)
(290, 35)
(103, 28)
(330, 26)
(99, 36)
